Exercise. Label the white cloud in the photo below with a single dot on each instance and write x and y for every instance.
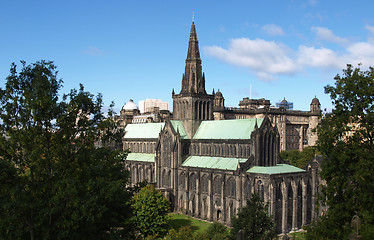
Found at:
(273, 30)
(361, 52)
(269, 59)
(318, 58)
(93, 51)
(265, 58)
(327, 35)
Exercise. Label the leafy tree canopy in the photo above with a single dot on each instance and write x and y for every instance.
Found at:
(180, 234)
(151, 210)
(299, 158)
(56, 182)
(218, 231)
(345, 139)
(253, 221)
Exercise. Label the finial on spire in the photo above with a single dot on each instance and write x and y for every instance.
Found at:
(193, 16)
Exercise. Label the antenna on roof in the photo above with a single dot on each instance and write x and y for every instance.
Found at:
(250, 91)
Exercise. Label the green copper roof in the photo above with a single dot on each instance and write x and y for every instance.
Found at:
(145, 130)
(279, 168)
(227, 129)
(213, 162)
(178, 126)
(142, 157)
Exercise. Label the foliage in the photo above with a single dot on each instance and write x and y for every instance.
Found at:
(218, 231)
(299, 158)
(297, 236)
(345, 139)
(150, 210)
(55, 181)
(180, 234)
(202, 235)
(254, 221)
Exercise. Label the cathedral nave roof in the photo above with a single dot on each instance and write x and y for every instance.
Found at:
(227, 129)
(145, 130)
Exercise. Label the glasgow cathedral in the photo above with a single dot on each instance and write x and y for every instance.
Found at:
(208, 160)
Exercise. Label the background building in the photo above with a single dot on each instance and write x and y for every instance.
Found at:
(284, 104)
(296, 128)
(146, 106)
(130, 113)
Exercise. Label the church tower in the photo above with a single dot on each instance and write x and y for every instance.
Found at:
(193, 105)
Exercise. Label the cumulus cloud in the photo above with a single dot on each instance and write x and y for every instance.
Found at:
(327, 35)
(272, 29)
(264, 57)
(318, 57)
(361, 52)
(93, 51)
(269, 59)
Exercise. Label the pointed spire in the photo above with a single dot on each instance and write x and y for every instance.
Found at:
(173, 92)
(193, 80)
(213, 92)
(193, 46)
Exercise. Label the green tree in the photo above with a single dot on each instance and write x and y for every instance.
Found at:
(218, 231)
(180, 234)
(345, 139)
(253, 221)
(56, 182)
(201, 235)
(299, 158)
(151, 210)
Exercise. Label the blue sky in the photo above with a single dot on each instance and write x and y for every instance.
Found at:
(137, 49)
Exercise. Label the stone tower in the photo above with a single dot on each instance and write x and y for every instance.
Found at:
(314, 120)
(193, 105)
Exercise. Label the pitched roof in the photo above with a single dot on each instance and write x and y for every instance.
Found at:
(278, 169)
(146, 130)
(179, 127)
(213, 162)
(227, 129)
(142, 157)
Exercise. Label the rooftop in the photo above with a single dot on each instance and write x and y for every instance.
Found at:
(227, 129)
(142, 157)
(278, 169)
(146, 130)
(213, 162)
(179, 127)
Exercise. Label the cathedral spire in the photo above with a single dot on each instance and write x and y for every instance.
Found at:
(193, 80)
(193, 45)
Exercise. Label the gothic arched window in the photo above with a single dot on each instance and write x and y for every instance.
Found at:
(217, 185)
(192, 182)
(231, 187)
(205, 184)
(260, 189)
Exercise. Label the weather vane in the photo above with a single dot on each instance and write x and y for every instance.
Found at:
(193, 16)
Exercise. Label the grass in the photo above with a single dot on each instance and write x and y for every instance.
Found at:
(297, 235)
(180, 220)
